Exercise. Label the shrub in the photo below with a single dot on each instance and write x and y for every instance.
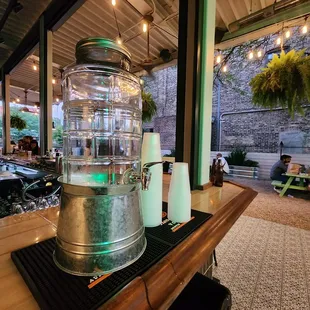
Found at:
(237, 157)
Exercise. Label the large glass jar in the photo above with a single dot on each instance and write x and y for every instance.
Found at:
(102, 115)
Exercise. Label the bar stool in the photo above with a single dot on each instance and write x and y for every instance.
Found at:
(203, 293)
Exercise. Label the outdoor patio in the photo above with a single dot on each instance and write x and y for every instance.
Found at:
(265, 257)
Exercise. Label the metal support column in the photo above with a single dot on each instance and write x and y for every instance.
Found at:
(46, 87)
(205, 87)
(186, 94)
(6, 116)
(194, 90)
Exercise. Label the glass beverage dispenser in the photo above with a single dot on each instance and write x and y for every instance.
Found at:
(100, 228)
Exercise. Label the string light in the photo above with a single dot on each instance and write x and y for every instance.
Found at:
(145, 26)
(278, 41)
(57, 100)
(259, 54)
(251, 55)
(53, 81)
(18, 100)
(14, 101)
(304, 29)
(114, 2)
(119, 40)
(224, 68)
(218, 59)
(34, 67)
(287, 34)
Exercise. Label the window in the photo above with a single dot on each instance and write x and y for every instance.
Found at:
(275, 51)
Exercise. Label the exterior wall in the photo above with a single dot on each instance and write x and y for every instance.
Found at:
(257, 131)
(162, 85)
(242, 124)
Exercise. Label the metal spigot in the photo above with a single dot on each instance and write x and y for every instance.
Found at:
(147, 174)
(131, 176)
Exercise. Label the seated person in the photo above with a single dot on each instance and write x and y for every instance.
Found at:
(223, 162)
(34, 147)
(20, 144)
(26, 143)
(279, 168)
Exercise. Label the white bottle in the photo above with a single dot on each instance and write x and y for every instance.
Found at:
(152, 198)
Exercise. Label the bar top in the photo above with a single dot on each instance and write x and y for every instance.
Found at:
(19, 231)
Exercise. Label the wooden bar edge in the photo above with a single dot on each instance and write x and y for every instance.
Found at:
(165, 280)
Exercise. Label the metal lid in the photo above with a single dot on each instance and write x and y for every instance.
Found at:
(96, 49)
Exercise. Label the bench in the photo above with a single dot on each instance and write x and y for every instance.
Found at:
(280, 184)
(287, 185)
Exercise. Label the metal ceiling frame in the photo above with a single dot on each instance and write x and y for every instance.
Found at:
(55, 15)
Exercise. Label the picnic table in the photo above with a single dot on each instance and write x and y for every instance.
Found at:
(288, 185)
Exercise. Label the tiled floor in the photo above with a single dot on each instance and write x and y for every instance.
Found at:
(265, 265)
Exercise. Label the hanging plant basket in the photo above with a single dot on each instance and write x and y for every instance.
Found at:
(149, 107)
(18, 123)
(285, 82)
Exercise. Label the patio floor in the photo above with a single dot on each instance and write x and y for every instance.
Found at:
(283, 210)
(265, 258)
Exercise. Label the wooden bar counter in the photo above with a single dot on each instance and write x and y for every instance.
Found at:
(158, 287)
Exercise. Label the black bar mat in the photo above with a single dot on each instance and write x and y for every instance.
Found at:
(171, 233)
(55, 289)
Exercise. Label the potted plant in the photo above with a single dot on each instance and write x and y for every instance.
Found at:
(240, 166)
(18, 123)
(285, 82)
(149, 107)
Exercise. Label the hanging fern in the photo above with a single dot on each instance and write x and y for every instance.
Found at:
(149, 107)
(18, 123)
(285, 82)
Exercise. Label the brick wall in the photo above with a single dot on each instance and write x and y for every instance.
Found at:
(257, 131)
(163, 86)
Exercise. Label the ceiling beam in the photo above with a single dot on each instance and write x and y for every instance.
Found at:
(7, 12)
(286, 15)
(232, 4)
(257, 34)
(54, 16)
(248, 6)
(263, 3)
(222, 13)
(37, 59)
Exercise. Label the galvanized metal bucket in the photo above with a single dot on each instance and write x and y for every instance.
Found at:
(100, 230)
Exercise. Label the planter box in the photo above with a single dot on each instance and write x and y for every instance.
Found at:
(243, 172)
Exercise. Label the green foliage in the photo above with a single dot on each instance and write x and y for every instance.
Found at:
(149, 107)
(237, 157)
(285, 82)
(17, 122)
(32, 125)
(57, 133)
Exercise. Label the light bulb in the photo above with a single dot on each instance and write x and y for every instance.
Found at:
(259, 54)
(53, 81)
(89, 120)
(251, 55)
(114, 2)
(14, 101)
(119, 40)
(144, 27)
(57, 100)
(225, 68)
(18, 100)
(35, 68)
(218, 59)
(304, 29)
(278, 41)
(287, 34)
